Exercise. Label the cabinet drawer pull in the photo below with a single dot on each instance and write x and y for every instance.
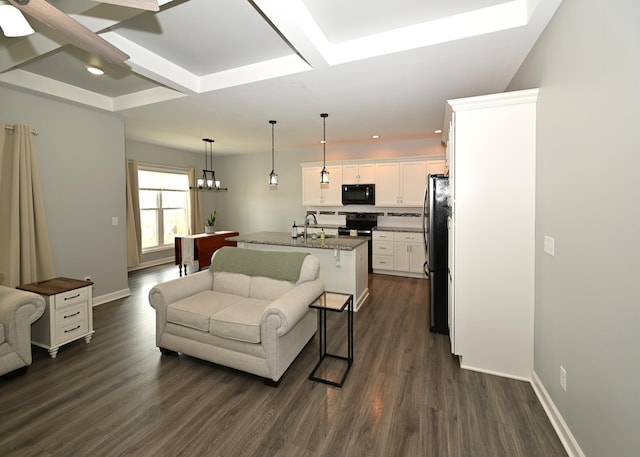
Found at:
(72, 329)
(71, 315)
(71, 298)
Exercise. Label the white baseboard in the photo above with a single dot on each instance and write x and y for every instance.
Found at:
(102, 299)
(562, 429)
(491, 372)
(152, 263)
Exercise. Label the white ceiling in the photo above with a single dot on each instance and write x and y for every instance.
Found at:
(221, 69)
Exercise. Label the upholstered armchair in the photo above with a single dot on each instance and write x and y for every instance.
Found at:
(18, 310)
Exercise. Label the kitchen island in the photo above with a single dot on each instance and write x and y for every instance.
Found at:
(343, 259)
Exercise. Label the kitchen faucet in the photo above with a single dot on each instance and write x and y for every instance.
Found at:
(306, 223)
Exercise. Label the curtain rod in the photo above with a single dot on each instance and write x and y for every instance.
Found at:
(13, 127)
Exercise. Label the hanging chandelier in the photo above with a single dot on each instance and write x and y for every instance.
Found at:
(273, 177)
(208, 180)
(324, 174)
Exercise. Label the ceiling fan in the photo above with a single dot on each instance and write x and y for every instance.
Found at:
(77, 33)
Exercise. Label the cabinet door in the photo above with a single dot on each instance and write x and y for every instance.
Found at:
(311, 192)
(401, 256)
(413, 178)
(416, 258)
(387, 184)
(436, 167)
(366, 173)
(350, 174)
(331, 194)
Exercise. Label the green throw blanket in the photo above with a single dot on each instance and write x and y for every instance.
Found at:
(251, 262)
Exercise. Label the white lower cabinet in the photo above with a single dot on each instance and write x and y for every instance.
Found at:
(399, 253)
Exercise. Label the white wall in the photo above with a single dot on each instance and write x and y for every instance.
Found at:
(587, 65)
(80, 153)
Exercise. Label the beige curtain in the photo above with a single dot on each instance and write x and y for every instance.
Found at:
(134, 232)
(196, 224)
(25, 248)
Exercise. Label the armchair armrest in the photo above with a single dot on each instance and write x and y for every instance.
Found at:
(293, 305)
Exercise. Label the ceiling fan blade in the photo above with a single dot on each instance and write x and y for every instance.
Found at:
(77, 33)
(149, 5)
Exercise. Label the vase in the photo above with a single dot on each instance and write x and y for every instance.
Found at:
(209, 229)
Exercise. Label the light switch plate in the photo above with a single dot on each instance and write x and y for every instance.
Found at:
(114, 220)
(549, 245)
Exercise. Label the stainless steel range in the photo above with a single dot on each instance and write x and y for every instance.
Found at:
(361, 224)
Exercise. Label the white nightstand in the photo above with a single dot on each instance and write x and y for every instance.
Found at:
(68, 315)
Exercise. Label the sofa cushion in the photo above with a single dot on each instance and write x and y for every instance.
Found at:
(240, 321)
(2, 337)
(231, 283)
(310, 269)
(195, 310)
(267, 288)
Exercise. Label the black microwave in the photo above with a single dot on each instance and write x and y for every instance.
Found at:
(358, 194)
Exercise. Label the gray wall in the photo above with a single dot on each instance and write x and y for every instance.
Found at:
(80, 153)
(587, 65)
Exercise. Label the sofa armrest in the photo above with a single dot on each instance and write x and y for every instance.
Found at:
(292, 306)
(168, 292)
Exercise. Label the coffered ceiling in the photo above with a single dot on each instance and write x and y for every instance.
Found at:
(223, 68)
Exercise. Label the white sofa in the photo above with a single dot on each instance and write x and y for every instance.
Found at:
(248, 311)
(18, 310)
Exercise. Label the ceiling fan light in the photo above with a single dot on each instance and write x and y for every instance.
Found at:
(12, 22)
(95, 70)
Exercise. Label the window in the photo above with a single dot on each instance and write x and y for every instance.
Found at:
(163, 206)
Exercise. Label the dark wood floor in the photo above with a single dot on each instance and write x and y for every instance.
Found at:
(405, 395)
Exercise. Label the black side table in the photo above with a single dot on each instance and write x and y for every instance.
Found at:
(336, 302)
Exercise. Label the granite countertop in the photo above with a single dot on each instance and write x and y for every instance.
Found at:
(343, 243)
(399, 229)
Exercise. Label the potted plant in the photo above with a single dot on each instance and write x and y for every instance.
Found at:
(211, 221)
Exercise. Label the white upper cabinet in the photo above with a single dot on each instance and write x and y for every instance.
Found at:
(358, 173)
(400, 183)
(316, 194)
(436, 167)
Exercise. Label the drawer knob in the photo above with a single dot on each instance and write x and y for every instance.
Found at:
(71, 298)
(71, 315)
(72, 329)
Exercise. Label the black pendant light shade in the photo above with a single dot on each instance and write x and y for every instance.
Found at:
(324, 174)
(273, 177)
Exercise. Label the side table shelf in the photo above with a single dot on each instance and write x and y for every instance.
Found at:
(335, 302)
(68, 314)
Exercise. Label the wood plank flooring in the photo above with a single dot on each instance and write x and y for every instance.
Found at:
(404, 397)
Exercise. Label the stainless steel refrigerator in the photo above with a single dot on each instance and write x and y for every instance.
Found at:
(434, 227)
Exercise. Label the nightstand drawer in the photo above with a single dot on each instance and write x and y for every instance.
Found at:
(71, 297)
(71, 322)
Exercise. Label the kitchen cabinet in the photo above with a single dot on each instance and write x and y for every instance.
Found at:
(436, 167)
(409, 253)
(316, 194)
(400, 183)
(358, 173)
(398, 253)
(492, 236)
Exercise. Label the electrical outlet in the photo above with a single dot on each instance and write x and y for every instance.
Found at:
(563, 378)
(549, 245)
(87, 278)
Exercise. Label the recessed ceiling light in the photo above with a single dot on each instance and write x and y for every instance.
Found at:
(437, 131)
(94, 70)
(375, 137)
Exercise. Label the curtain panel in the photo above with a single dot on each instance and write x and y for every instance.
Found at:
(134, 230)
(196, 224)
(25, 247)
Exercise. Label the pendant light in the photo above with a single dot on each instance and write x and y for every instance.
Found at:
(273, 177)
(208, 180)
(324, 174)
